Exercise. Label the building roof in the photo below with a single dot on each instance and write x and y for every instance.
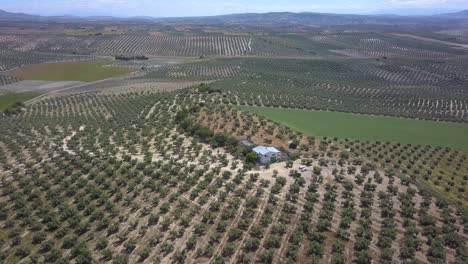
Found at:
(247, 142)
(265, 150)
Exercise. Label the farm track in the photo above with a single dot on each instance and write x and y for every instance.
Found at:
(465, 46)
(84, 85)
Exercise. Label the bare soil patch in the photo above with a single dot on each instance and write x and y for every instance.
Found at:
(46, 86)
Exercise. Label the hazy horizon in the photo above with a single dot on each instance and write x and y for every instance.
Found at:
(128, 8)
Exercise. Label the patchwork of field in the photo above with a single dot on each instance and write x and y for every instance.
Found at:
(435, 90)
(328, 44)
(165, 45)
(457, 35)
(141, 161)
(440, 169)
(85, 71)
(368, 128)
(11, 58)
(423, 89)
(119, 181)
(196, 71)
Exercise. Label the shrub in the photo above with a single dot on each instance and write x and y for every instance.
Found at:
(251, 157)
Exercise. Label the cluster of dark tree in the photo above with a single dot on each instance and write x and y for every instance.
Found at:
(129, 58)
(203, 88)
(13, 109)
(206, 135)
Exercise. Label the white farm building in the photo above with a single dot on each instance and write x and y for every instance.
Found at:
(267, 154)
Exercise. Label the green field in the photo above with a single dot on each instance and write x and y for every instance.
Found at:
(367, 127)
(10, 98)
(85, 71)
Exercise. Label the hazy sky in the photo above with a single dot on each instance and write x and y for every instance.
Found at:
(165, 8)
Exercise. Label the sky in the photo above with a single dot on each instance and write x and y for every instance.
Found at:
(179, 8)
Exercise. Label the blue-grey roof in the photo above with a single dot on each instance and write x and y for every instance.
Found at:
(246, 142)
(264, 150)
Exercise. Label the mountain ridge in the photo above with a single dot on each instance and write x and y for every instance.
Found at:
(270, 18)
(6, 14)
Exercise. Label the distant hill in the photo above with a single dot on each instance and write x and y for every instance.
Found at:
(272, 19)
(413, 11)
(463, 13)
(305, 18)
(5, 14)
(314, 19)
(9, 15)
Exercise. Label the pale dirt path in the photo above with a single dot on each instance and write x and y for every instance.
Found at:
(43, 86)
(78, 86)
(464, 46)
(67, 138)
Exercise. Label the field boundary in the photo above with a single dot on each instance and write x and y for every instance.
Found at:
(77, 86)
(368, 120)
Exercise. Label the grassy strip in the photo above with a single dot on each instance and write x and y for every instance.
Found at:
(85, 71)
(8, 99)
(367, 127)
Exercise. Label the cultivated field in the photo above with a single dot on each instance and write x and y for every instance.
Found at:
(38, 86)
(10, 58)
(8, 99)
(337, 43)
(406, 88)
(85, 71)
(158, 194)
(368, 128)
(6, 80)
(149, 167)
(443, 168)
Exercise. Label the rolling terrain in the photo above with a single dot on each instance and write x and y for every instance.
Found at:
(121, 139)
(367, 127)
